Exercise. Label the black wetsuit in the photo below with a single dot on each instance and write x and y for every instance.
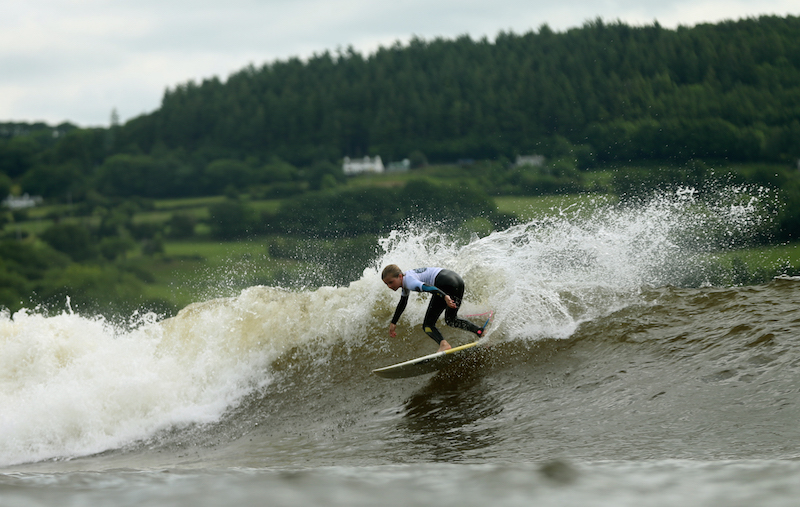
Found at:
(446, 283)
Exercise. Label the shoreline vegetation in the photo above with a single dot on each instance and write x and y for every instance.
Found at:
(184, 263)
(239, 182)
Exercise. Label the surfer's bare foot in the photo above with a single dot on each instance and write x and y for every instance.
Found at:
(443, 345)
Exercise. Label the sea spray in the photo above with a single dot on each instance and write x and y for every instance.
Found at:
(549, 274)
(72, 385)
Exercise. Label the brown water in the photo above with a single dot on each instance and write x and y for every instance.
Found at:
(605, 383)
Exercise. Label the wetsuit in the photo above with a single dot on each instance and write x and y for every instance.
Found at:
(440, 283)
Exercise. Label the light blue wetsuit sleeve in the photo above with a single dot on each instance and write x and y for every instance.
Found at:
(434, 290)
(412, 282)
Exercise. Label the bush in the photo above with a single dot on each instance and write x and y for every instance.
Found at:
(231, 219)
(71, 239)
(352, 212)
(337, 261)
(181, 226)
(95, 289)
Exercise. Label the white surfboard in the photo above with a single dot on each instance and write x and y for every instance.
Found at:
(425, 364)
(431, 362)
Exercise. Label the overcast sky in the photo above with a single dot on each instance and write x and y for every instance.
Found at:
(76, 60)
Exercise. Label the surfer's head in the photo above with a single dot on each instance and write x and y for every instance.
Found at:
(392, 276)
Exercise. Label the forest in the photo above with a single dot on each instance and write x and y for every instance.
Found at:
(612, 108)
(602, 93)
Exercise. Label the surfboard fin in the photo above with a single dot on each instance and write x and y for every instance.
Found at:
(482, 329)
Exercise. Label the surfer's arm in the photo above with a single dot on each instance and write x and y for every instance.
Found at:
(401, 306)
(433, 290)
(439, 292)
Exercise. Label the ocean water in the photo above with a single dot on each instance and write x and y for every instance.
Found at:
(621, 369)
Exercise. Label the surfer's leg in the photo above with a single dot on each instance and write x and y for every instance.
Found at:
(435, 309)
(453, 285)
(437, 337)
(452, 320)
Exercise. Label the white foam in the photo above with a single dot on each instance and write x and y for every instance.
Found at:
(72, 385)
(548, 275)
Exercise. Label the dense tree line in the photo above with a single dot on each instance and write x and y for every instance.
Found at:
(608, 92)
(603, 94)
(599, 94)
(725, 90)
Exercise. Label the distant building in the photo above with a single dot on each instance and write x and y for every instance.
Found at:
(531, 160)
(362, 165)
(21, 202)
(399, 167)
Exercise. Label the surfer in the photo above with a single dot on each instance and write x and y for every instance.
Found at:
(446, 288)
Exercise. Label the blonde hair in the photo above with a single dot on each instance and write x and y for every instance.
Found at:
(392, 270)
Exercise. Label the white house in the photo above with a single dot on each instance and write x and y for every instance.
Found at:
(21, 202)
(362, 165)
(531, 160)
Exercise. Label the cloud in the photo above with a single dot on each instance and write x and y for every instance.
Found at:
(76, 60)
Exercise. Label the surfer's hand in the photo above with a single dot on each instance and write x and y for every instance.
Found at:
(450, 302)
(393, 330)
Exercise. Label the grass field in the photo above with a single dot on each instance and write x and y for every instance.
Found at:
(194, 270)
(766, 257)
(191, 271)
(528, 208)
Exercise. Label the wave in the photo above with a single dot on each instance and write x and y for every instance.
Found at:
(76, 385)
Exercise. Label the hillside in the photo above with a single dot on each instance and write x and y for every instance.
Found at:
(593, 96)
(613, 109)
(726, 90)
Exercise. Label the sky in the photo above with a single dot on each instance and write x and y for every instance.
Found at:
(79, 60)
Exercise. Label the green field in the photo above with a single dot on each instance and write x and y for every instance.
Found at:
(190, 265)
(200, 268)
(190, 271)
(529, 208)
(759, 258)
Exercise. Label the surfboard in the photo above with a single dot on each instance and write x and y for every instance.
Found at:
(431, 362)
